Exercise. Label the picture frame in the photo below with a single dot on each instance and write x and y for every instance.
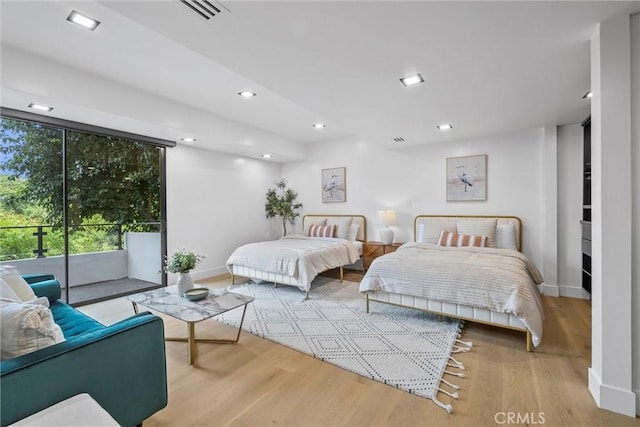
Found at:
(334, 185)
(467, 178)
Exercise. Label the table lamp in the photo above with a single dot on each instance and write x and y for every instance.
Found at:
(386, 218)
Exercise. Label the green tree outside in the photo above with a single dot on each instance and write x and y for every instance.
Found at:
(109, 180)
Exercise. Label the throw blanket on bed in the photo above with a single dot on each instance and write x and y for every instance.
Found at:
(501, 280)
(300, 257)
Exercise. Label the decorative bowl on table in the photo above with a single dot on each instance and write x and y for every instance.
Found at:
(196, 294)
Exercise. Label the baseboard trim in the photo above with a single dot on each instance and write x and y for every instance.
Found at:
(550, 290)
(210, 272)
(612, 398)
(574, 292)
(637, 402)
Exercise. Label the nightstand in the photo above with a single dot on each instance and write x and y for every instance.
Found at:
(373, 250)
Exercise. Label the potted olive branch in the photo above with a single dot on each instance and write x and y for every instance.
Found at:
(281, 202)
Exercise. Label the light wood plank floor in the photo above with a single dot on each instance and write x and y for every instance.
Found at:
(259, 383)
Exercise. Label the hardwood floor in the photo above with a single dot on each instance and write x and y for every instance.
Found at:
(259, 383)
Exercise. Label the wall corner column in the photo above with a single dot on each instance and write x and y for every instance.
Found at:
(611, 371)
(550, 211)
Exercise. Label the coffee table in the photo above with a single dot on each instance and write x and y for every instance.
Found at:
(167, 301)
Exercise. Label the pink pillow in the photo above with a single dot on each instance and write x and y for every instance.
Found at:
(321, 230)
(448, 238)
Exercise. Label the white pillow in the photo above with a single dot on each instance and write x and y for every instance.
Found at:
(506, 237)
(479, 227)
(6, 292)
(429, 231)
(15, 281)
(26, 327)
(343, 225)
(353, 232)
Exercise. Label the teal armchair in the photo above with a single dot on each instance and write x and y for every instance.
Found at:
(122, 366)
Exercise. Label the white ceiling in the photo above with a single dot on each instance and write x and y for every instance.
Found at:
(490, 67)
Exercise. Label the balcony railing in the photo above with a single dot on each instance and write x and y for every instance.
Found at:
(114, 237)
(131, 260)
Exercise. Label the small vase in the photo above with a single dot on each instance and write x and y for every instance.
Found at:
(185, 282)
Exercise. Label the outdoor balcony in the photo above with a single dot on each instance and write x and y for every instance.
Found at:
(134, 264)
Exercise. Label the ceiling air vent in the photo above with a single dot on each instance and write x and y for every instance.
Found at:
(399, 139)
(207, 9)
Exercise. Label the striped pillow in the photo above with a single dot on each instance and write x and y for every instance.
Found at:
(321, 230)
(459, 240)
(479, 227)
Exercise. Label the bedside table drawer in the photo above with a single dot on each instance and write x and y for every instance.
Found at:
(372, 250)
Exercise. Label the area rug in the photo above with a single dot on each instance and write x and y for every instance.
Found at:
(404, 348)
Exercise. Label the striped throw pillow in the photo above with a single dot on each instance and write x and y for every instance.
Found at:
(459, 240)
(479, 227)
(321, 230)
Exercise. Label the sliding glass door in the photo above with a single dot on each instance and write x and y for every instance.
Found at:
(84, 206)
(32, 236)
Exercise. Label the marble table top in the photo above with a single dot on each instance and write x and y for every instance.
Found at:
(167, 301)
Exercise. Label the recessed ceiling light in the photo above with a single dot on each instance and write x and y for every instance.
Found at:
(188, 139)
(82, 20)
(247, 94)
(445, 126)
(40, 107)
(412, 80)
(266, 156)
(587, 95)
(319, 125)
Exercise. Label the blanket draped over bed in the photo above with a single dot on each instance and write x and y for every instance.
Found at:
(500, 280)
(296, 256)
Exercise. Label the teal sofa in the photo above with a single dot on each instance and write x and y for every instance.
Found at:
(122, 366)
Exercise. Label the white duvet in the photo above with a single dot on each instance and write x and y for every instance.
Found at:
(296, 256)
(501, 280)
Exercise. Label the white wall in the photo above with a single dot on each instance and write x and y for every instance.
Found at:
(635, 150)
(412, 181)
(84, 268)
(143, 256)
(612, 364)
(570, 152)
(215, 202)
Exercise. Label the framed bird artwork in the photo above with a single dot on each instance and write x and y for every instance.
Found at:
(467, 178)
(334, 185)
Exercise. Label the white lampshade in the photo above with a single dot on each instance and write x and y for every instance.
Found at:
(386, 218)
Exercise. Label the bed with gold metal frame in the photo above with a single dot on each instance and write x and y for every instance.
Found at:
(283, 279)
(459, 311)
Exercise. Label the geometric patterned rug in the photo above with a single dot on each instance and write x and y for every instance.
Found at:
(406, 349)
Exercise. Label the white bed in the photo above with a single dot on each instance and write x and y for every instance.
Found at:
(297, 259)
(427, 229)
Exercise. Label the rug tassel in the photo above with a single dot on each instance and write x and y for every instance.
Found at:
(453, 386)
(447, 407)
(455, 374)
(455, 366)
(460, 349)
(454, 394)
(460, 365)
(467, 343)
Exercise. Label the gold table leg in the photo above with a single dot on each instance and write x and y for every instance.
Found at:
(191, 340)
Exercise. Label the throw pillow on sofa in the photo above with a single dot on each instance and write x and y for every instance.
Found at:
(14, 279)
(6, 292)
(26, 327)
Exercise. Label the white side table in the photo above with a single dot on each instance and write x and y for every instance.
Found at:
(78, 411)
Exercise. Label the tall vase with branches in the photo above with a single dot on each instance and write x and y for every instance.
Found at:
(281, 202)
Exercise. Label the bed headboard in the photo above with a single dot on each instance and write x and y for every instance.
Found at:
(356, 219)
(433, 224)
